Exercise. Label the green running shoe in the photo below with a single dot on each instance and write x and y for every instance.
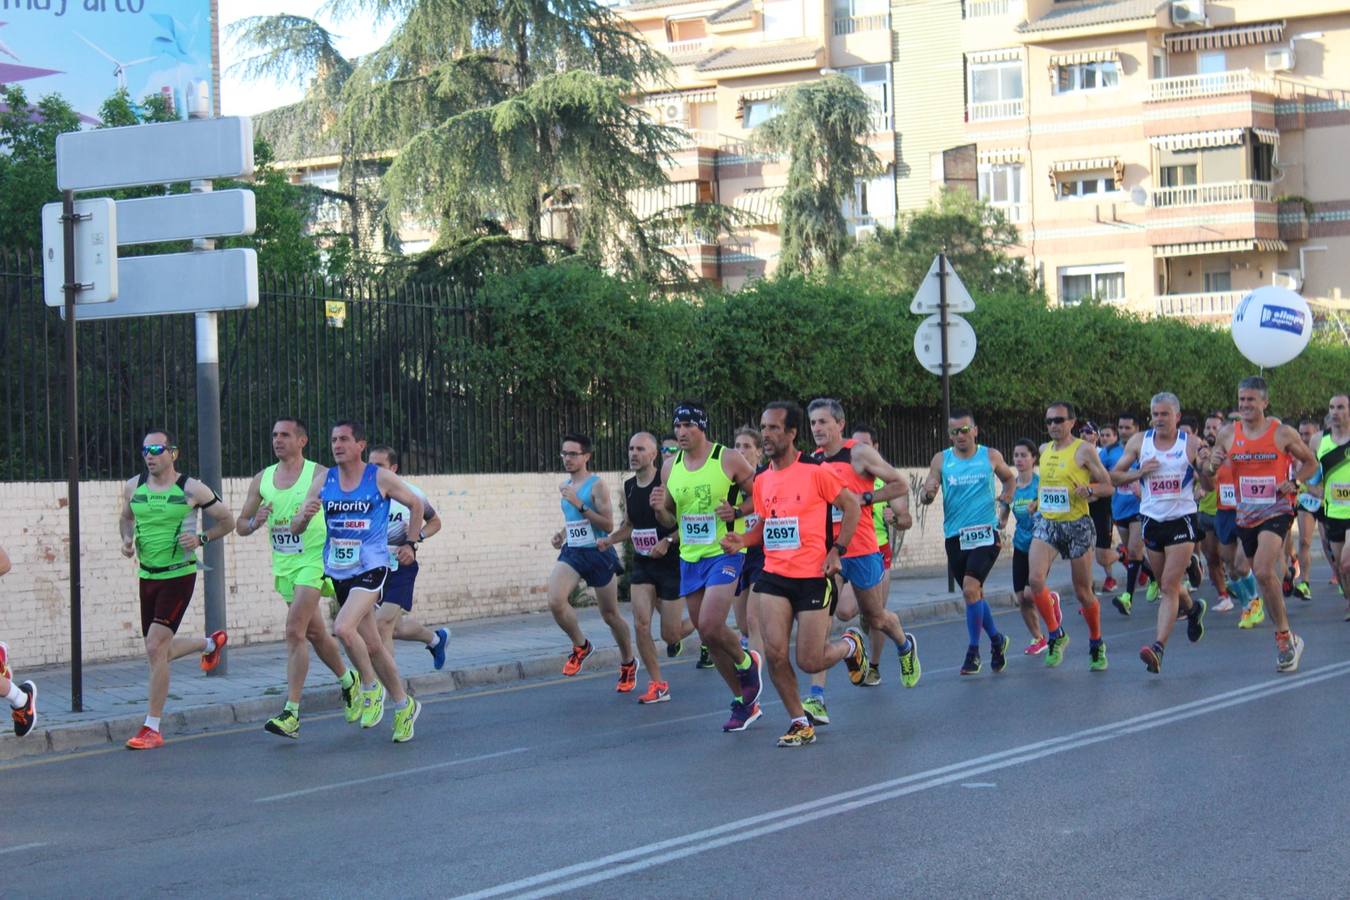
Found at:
(351, 700)
(287, 724)
(1152, 593)
(910, 669)
(1122, 602)
(998, 659)
(404, 719)
(815, 710)
(1097, 657)
(1303, 591)
(372, 706)
(1054, 653)
(705, 660)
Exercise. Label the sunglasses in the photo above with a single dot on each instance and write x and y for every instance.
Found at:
(669, 450)
(156, 449)
(568, 454)
(964, 429)
(1056, 420)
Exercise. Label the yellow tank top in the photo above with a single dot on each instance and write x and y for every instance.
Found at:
(1060, 474)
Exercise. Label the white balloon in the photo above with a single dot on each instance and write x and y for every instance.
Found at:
(1272, 325)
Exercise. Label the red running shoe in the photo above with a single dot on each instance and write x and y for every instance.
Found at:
(627, 676)
(212, 659)
(577, 659)
(146, 739)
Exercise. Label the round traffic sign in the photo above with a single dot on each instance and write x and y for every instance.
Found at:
(960, 344)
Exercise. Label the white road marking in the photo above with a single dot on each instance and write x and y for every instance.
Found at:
(583, 874)
(22, 847)
(979, 784)
(390, 775)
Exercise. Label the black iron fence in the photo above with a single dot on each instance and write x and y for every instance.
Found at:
(395, 358)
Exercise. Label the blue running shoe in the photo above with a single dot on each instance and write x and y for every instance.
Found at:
(438, 652)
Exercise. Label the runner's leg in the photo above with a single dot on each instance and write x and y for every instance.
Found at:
(562, 581)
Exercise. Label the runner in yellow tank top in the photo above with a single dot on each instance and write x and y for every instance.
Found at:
(1072, 474)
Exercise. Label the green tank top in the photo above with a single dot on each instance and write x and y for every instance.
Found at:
(1335, 481)
(159, 521)
(697, 495)
(1209, 504)
(879, 516)
(292, 551)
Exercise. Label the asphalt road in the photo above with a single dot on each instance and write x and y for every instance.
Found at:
(1217, 778)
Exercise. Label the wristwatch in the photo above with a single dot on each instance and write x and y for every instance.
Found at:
(203, 537)
(839, 548)
(867, 498)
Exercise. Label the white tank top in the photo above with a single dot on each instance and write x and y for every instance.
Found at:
(1168, 492)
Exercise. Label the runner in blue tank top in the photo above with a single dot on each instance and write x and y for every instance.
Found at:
(354, 499)
(965, 473)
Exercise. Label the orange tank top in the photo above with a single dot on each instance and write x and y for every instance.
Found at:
(1259, 468)
(864, 539)
(1227, 488)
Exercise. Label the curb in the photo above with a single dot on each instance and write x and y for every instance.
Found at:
(111, 732)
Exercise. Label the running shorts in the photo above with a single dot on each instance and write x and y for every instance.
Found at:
(975, 563)
(164, 601)
(1100, 510)
(1127, 521)
(1159, 534)
(864, 571)
(1071, 539)
(1250, 537)
(713, 571)
(662, 573)
(1335, 529)
(805, 594)
(750, 569)
(398, 587)
(886, 556)
(305, 576)
(1021, 570)
(371, 580)
(596, 567)
(1225, 526)
(1206, 525)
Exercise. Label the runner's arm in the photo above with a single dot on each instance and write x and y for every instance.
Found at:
(663, 505)
(1300, 451)
(847, 501)
(4, 562)
(1006, 474)
(872, 463)
(933, 481)
(126, 522)
(245, 524)
(312, 505)
(1121, 473)
(214, 508)
(1100, 485)
(739, 470)
(601, 511)
(396, 488)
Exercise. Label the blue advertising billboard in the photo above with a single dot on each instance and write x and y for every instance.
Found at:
(85, 50)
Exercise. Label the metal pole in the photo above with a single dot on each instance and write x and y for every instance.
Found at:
(70, 289)
(946, 365)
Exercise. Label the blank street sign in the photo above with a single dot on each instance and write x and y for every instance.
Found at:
(179, 217)
(95, 252)
(163, 153)
(205, 281)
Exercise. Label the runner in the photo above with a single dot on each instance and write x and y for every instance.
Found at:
(1166, 460)
(1071, 476)
(965, 472)
(1125, 514)
(1309, 514)
(1241, 581)
(588, 515)
(1023, 509)
(792, 498)
(1209, 534)
(1262, 452)
(694, 483)
(159, 510)
(274, 496)
(669, 447)
(890, 520)
(748, 445)
(858, 466)
(1332, 453)
(394, 614)
(22, 697)
(1109, 449)
(354, 498)
(654, 579)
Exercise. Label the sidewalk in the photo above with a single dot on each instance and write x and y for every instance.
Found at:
(482, 652)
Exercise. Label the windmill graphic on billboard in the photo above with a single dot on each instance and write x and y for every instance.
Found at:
(119, 67)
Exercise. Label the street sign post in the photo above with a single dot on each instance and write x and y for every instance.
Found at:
(164, 153)
(181, 217)
(928, 298)
(177, 283)
(961, 344)
(95, 252)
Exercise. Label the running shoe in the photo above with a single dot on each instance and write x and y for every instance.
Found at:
(745, 642)
(1152, 655)
(751, 682)
(704, 658)
(1256, 614)
(1036, 647)
(675, 649)
(627, 677)
(742, 716)
(1304, 591)
(1109, 584)
(910, 668)
(1195, 571)
(873, 677)
(816, 712)
(351, 699)
(372, 706)
(998, 653)
(1288, 651)
(25, 717)
(972, 664)
(212, 659)
(577, 658)
(798, 735)
(438, 652)
(1097, 656)
(404, 720)
(1054, 651)
(1151, 592)
(4, 660)
(1225, 604)
(1123, 603)
(146, 739)
(657, 692)
(857, 661)
(287, 724)
(1195, 619)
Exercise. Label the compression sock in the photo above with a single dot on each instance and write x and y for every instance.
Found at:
(1093, 615)
(1045, 605)
(973, 622)
(744, 664)
(1132, 575)
(987, 619)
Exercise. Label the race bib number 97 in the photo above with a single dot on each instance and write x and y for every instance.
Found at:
(698, 528)
(1257, 491)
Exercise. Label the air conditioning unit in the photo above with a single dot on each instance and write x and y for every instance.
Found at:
(1280, 59)
(865, 232)
(674, 113)
(1188, 12)
(1290, 279)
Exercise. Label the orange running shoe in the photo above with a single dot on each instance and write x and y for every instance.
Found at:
(146, 739)
(577, 659)
(212, 659)
(657, 692)
(627, 676)
(25, 717)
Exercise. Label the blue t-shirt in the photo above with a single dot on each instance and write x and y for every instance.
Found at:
(1125, 501)
(1023, 497)
(967, 491)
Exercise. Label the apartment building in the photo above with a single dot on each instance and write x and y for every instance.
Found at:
(1166, 155)
(731, 63)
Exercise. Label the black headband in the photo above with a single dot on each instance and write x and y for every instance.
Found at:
(695, 415)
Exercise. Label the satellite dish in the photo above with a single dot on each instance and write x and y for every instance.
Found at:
(1139, 197)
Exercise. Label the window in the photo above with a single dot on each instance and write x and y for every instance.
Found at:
(1001, 186)
(1218, 282)
(876, 84)
(757, 112)
(783, 18)
(1263, 161)
(848, 8)
(1159, 69)
(1085, 184)
(1079, 283)
(1211, 63)
(994, 82)
(1091, 76)
(1176, 176)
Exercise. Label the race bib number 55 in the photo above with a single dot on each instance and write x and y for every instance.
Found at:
(344, 553)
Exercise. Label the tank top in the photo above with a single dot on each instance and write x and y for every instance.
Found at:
(1168, 493)
(1023, 497)
(841, 464)
(580, 532)
(358, 525)
(291, 551)
(968, 510)
(159, 519)
(1258, 470)
(879, 517)
(697, 494)
(647, 531)
(1225, 490)
(1336, 481)
(795, 505)
(1060, 474)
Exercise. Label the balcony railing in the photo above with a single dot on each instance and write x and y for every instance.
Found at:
(1197, 306)
(1186, 87)
(1016, 212)
(684, 51)
(698, 137)
(997, 109)
(1208, 194)
(854, 24)
(979, 9)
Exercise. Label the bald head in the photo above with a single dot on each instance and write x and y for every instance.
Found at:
(642, 451)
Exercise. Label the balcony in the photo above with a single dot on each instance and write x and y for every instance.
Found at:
(1209, 194)
(983, 9)
(1215, 305)
(685, 52)
(997, 109)
(854, 24)
(1216, 84)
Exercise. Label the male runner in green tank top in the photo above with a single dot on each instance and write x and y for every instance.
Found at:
(159, 512)
(274, 496)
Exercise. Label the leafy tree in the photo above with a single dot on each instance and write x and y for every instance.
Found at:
(822, 128)
(28, 162)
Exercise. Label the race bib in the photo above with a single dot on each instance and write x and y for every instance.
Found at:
(700, 528)
(1054, 499)
(1228, 494)
(782, 533)
(1257, 490)
(644, 540)
(1310, 502)
(579, 534)
(1164, 486)
(977, 536)
(751, 521)
(343, 553)
(1338, 492)
(836, 515)
(285, 542)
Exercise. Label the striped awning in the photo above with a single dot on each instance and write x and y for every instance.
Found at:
(1085, 56)
(1005, 54)
(764, 93)
(707, 96)
(762, 203)
(1207, 248)
(1222, 38)
(1083, 165)
(653, 200)
(1001, 156)
(1267, 135)
(1192, 140)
